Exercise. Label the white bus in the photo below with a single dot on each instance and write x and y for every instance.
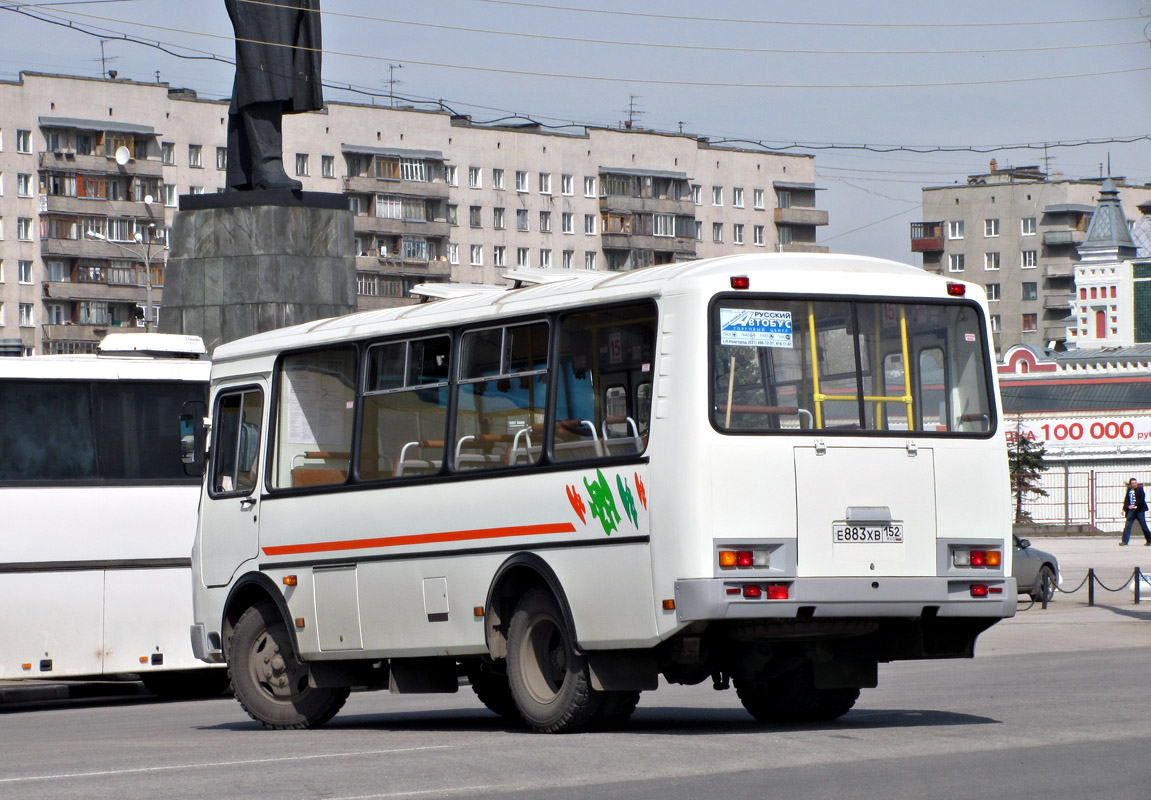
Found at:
(97, 513)
(772, 471)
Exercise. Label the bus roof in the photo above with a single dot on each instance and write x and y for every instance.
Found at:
(770, 272)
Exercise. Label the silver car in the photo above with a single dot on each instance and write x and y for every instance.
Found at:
(1031, 566)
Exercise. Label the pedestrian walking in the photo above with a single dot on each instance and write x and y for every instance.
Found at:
(1135, 510)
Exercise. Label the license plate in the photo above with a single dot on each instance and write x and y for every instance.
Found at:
(868, 534)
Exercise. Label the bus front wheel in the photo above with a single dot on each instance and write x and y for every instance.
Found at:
(269, 681)
(548, 679)
(793, 697)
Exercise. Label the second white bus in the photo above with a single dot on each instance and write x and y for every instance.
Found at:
(770, 471)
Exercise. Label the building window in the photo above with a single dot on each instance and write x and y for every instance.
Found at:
(453, 253)
(416, 248)
(717, 195)
(757, 199)
(474, 216)
(498, 219)
(567, 259)
(168, 153)
(1030, 323)
(955, 229)
(717, 232)
(1030, 259)
(521, 180)
(991, 261)
(545, 222)
(995, 323)
(589, 186)
(23, 185)
(784, 198)
(475, 178)
(499, 258)
(24, 271)
(327, 166)
(521, 219)
(697, 194)
(992, 292)
(497, 178)
(522, 259)
(24, 229)
(955, 262)
(567, 185)
(450, 177)
(56, 313)
(222, 158)
(699, 230)
(545, 258)
(477, 255)
(990, 228)
(195, 156)
(121, 229)
(589, 224)
(545, 183)
(567, 222)
(26, 316)
(414, 169)
(737, 197)
(367, 284)
(23, 143)
(168, 193)
(1030, 290)
(301, 164)
(785, 234)
(663, 225)
(589, 259)
(737, 233)
(757, 235)
(1027, 226)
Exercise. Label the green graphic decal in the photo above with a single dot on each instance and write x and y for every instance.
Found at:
(628, 499)
(603, 502)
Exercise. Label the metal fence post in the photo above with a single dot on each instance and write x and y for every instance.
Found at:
(1091, 586)
(1138, 580)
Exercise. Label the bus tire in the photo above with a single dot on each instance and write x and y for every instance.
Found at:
(615, 709)
(793, 697)
(493, 691)
(186, 684)
(548, 679)
(269, 681)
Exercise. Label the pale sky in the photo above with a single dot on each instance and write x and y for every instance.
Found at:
(831, 72)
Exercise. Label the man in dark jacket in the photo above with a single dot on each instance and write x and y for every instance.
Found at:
(277, 72)
(1135, 509)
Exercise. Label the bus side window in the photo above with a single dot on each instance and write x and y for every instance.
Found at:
(604, 372)
(314, 411)
(236, 441)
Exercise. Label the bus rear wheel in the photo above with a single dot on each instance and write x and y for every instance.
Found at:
(548, 679)
(793, 697)
(269, 681)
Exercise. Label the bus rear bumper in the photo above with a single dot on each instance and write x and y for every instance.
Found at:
(724, 598)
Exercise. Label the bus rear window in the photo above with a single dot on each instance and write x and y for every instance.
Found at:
(801, 365)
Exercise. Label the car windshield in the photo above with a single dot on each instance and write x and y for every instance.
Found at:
(885, 367)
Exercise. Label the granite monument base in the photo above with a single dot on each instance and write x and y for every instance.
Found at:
(247, 262)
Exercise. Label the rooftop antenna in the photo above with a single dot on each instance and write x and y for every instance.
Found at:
(105, 59)
(632, 111)
(393, 82)
(680, 123)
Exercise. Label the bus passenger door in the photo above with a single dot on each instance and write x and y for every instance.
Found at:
(229, 533)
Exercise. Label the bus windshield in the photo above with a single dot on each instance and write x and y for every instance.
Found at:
(787, 364)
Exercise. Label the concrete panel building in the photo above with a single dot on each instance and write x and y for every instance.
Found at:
(1016, 231)
(436, 198)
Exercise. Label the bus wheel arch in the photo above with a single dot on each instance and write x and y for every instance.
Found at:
(516, 577)
(250, 590)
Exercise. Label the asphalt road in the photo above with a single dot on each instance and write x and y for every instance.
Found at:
(1054, 704)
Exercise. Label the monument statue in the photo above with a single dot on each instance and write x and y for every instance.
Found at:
(277, 72)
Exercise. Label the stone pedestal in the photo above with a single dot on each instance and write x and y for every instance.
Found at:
(247, 262)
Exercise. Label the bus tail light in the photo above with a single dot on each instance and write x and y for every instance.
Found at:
(744, 559)
(777, 591)
(961, 557)
(956, 289)
(740, 282)
(752, 591)
(979, 590)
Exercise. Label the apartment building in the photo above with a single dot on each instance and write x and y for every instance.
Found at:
(1016, 231)
(91, 171)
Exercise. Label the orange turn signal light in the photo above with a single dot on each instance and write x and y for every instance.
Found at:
(289, 580)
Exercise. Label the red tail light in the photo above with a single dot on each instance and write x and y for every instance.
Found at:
(979, 590)
(752, 591)
(777, 591)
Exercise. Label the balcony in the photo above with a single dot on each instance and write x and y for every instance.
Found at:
(111, 292)
(85, 333)
(625, 204)
(1054, 333)
(102, 207)
(926, 237)
(394, 264)
(367, 184)
(800, 216)
(803, 247)
(1062, 238)
(400, 227)
(1058, 269)
(64, 161)
(1058, 302)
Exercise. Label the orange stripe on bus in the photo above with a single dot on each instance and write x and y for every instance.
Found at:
(420, 538)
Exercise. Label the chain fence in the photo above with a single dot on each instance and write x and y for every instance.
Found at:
(1134, 583)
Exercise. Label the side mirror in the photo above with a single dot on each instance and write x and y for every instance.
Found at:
(193, 438)
(1024, 543)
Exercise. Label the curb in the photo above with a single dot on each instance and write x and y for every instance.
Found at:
(18, 692)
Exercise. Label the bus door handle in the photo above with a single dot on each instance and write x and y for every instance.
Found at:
(247, 504)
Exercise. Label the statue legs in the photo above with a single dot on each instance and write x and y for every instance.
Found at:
(255, 149)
